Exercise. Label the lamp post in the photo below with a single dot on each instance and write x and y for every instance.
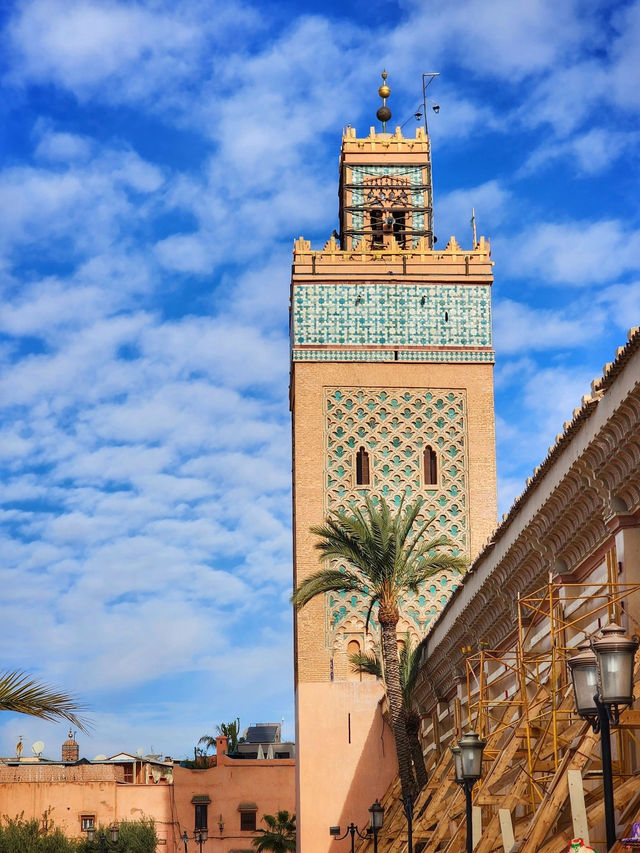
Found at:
(376, 819)
(102, 838)
(602, 678)
(199, 836)
(467, 762)
(407, 803)
(352, 830)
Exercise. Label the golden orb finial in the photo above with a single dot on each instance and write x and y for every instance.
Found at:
(384, 113)
(384, 91)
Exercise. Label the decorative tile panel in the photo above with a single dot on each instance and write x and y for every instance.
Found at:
(360, 176)
(396, 314)
(438, 356)
(395, 426)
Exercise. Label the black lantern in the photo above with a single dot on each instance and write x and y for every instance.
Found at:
(376, 816)
(584, 675)
(457, 764)
(471, 747)
(467, 765)
(114, 832)
(602, 675)
(376, 819)
(615, 653)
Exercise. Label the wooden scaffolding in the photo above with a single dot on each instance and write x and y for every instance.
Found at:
(542, 772)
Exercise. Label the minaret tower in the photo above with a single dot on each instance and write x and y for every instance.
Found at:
(391, 395)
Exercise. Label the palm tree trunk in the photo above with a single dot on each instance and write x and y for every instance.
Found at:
(394, 696)
(413, 734)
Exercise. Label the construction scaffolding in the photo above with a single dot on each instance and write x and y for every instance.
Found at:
(542, 772)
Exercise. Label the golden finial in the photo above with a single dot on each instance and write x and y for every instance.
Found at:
(384, 113)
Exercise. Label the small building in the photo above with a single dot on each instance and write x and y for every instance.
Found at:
(264, 740)
(227, 798)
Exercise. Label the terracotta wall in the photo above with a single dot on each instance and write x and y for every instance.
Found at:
(67, 793)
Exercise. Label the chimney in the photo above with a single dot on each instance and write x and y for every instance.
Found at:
(70, 749)
(222, 745)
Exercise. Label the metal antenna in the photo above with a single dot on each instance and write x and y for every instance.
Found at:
(427, 80)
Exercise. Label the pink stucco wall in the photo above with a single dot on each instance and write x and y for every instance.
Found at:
(67, 793)
(346, 759)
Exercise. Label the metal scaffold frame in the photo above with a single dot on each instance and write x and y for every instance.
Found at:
(541, 758)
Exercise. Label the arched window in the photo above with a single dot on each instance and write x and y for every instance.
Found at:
(377, 240)
(362, 467)
(430, 467)
(353, 648)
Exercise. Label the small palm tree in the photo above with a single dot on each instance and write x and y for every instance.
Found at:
(409, 669)
(24, 695)
(280, 835)
(386, 556)
(229, 730)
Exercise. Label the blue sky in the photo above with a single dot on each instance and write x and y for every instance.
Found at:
(158, 158)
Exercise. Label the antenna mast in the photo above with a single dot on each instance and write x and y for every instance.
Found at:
(427, 80)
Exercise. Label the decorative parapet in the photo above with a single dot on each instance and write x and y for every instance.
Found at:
(385, 141)
(420, 255)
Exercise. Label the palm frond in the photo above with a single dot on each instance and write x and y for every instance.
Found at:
(366, 663)
(326, 580)
(22, 694)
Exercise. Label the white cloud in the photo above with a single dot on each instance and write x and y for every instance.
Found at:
(138, 50)
(589, 153)
(497, 39)
(63, 147)
(576, 253)
(520, 328)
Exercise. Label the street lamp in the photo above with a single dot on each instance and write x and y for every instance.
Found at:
(199, 836)
(376, 819)
(101, 836)
(467, 763)
(602, 678)
(352, 830)
(407, 803)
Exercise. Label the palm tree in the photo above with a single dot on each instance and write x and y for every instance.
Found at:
(22, 694)
(386, 557)
(409, 669)
(229, 730)
(280, 835)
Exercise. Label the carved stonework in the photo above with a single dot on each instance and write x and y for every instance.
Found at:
(395, 426)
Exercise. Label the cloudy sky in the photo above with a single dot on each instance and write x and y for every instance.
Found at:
(158, 158)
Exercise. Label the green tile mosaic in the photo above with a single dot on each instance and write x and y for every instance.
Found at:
(395, 426)
(395, 314)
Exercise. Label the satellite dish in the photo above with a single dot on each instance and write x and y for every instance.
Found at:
(140, 752)
(100, 757)
(37, 747)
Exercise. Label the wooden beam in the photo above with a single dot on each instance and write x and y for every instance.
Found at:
(556, 796)
(506, 830)
(578, 809)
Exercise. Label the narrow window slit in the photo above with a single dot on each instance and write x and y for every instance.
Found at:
(430, 467)
(362, 467)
